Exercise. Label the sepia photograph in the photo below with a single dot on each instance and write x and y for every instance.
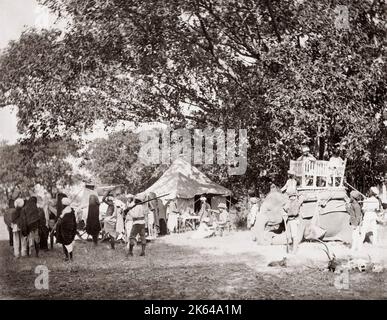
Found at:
(212, 151)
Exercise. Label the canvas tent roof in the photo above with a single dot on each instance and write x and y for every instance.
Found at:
(182, 180)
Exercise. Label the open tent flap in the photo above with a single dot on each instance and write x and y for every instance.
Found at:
(185, 206)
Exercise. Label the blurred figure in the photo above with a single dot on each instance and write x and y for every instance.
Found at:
(110, 220)
(291, 218)
(254, 210)
(290, 186)
(33, 218)
(43, 225)
(205, 210)
(128, 220)
(172, 216)
(137, 211)
(66, 229)
(8, 219)
(371, 208)
(153, 215)
(306, 155)
(162, 217)
(93, 225)
(19, 242)
(334, 163)
(223, 218)
(355, 218)
(120, 225)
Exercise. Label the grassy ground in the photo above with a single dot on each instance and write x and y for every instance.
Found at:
(177, 267)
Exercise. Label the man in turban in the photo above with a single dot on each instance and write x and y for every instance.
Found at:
(355, 218)
(137, 212)
(66, 229)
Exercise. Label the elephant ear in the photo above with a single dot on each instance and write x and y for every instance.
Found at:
(313, 232)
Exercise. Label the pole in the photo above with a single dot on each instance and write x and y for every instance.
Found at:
(286, 233)
(354, 188)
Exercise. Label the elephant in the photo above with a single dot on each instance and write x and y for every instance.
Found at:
(322, 216)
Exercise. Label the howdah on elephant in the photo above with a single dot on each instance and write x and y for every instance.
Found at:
(322, 215)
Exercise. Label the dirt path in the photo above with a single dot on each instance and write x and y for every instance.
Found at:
(171, 271)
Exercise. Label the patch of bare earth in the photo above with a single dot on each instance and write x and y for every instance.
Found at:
(177, 267)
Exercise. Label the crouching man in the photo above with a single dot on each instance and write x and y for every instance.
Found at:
(137, 212)
(292, 221)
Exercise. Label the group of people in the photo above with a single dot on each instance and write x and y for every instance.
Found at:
(30, 224)
(35, 221)
(126, 217)
(365, 218)
(212, 222)
(365, 211)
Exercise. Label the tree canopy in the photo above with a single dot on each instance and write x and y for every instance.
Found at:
(114, 160)
(23, 166)
(290, 72)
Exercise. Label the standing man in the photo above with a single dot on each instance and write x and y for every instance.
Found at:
(291, 219)
(128, 219)
(66, 228)
(8, 218)
(172, 215)
(383, 196)
(137, 211)
(93, 225)
(308, 163)
(306, 155)
(19, 242)
(43, 225)
(32, 215)
(355, 218)
(254, 210)
(205, 210)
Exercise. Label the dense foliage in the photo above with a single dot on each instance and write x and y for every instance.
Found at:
(24, 165)
(114, 160)
(290, 72)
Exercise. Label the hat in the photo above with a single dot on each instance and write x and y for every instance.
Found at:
(253, 200)
(222, 206)
(291, 172)
(375, 191)
(119, 203)
(139, 197)
(202, 198)
(19, 203)
(355, 194)
(66, 201)
(305, 149)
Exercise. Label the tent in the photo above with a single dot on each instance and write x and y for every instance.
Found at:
(184, 182)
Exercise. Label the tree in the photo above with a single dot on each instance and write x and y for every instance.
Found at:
(114, 160)
(24, 165)
(284, 70)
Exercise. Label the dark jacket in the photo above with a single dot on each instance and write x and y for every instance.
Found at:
(93, 226)
(32, 217)
(66, 228)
